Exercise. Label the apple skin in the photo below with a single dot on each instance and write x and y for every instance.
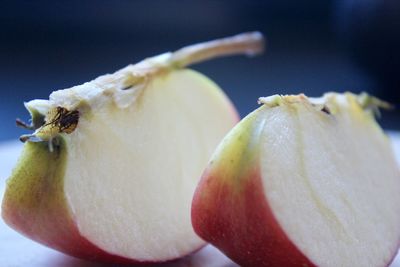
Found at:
(36, 207)
(229, 208)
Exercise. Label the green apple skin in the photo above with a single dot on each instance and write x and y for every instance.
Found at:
(229, 208)
(34, 204)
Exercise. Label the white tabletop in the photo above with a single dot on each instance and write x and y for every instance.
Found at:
(18, 251)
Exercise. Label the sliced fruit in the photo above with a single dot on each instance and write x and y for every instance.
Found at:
(303, 182)
(110, 171)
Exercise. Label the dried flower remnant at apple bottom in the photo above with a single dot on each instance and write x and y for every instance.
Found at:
(58, 120)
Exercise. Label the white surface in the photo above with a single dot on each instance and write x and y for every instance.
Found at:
(18, 251)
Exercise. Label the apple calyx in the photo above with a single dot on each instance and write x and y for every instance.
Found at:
(58, 120)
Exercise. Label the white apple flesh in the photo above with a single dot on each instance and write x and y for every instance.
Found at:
(303, 182)
(110, 173)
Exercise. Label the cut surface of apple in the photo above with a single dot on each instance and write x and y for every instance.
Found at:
(303, 182)
(110, 170)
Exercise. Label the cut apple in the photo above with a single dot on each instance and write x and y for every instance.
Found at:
(303, 182)
(110, 170)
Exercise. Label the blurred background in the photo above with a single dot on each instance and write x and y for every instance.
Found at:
(313, 47)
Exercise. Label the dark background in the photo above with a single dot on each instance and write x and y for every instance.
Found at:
(313, 47)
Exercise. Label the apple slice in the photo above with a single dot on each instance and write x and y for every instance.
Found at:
(110, 170)
(303, 182)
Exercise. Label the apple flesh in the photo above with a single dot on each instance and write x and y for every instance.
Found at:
(110, 170)
(303, 182)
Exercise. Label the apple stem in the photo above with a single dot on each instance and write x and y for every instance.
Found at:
(250, 44)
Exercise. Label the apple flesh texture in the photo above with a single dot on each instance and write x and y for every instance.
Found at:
(119, 188)
(291, 185)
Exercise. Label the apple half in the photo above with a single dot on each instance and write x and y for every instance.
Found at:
(110, 170)
(303, 182)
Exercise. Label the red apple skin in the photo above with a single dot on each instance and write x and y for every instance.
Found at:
(229, 208)
(37, 208)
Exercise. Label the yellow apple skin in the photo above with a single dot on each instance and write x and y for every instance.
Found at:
(229, 208)
(34, 204)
